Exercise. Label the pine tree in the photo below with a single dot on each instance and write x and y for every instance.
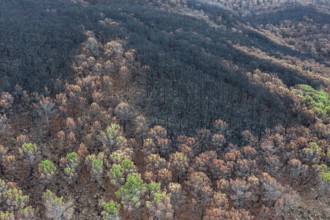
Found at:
(131, 193)
(110, 210)
(56, 207)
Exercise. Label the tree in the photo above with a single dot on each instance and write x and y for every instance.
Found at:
(92, 46)
(4, 123)
(164, 176)
(95, 165)
(9, 162)
(3, 153)
(70, 164)
(264, 212)
(70, 124)
(14, 199)
(110, 210)
(199, 185)
(267, 148)
(108, 137)
(248, 138)
(47, 105)
(221, 126)
(178, 196)
(187, 151)
(60, 136)
(56, 207)
(119, 172)
(204, 139)
(178, 164)
(121, 142)
(124, 112)
(157, 141)
(118, 156)
(273, 164)
(5, 215)
(311, 153)
(296, 169)
(246, 167)
(287, 203)
(29, 152)
(154, 162)
(220, 200)
(271, 188)
(26, 213)
(116, 175)
(149, 147)
(203, 162)
(219, 169)
(158, 202)
(47, 170)
(141, 127)
(131, 193)
(324, 183)
(82, 151)
(70, 139)
(233, 155)
(113, 48)
(14, 203)
(190, 142)
(249, 152)
(232, 214)
(241, 192)
(125, 74)
(157, 132)
(6, 101)
(218, 140)
(163, 145)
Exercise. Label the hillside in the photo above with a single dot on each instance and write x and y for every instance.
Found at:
(124, 109)
(257, 7)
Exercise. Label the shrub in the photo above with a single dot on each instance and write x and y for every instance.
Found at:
(95, 164)
(110, 210)
(47, 169)
(56, 207)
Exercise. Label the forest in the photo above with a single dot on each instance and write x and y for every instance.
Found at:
(164, 109)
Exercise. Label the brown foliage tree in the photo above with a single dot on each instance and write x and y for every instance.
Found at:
(286, 204)
(199, 185)
(178, 196)
(178, 164)
(232, 214)
(124, 112)
(271, 188)
(241, 192)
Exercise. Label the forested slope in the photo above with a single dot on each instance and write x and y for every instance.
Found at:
(164, 110)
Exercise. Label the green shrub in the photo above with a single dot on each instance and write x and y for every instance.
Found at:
(29, 152)
(132, 191)
(325, 176)
(47, 169)
(4, 215)
(317, 100)
(95, 164)
(70, 163)
(111, 207)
